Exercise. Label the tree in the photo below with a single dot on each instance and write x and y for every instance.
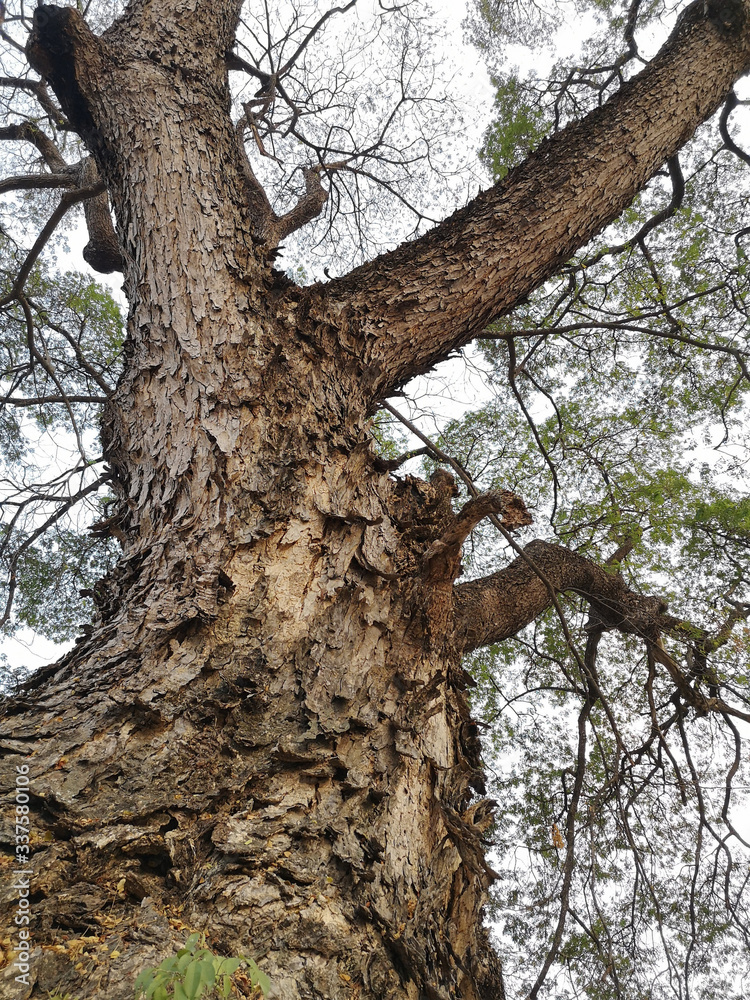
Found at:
(265, 734)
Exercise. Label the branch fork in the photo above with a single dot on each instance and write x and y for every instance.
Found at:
(442, 560)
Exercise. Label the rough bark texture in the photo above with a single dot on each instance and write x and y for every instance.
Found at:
(265, 734)
(495, 608)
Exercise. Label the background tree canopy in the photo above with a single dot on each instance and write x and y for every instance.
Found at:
(618, 410)
(615, 405)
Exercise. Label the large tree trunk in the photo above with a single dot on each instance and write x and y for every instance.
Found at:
(265, 734)
(262, 736)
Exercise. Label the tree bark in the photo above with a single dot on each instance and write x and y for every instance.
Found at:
(495, 608)
(264, 735)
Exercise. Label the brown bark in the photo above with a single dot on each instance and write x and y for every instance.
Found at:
(261, 732)
(102, 251)
(410, 308)
(499, 606)
(264, 735)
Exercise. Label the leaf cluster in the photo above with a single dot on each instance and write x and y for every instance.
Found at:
(195, 971)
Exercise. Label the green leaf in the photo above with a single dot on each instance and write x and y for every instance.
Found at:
(195, 980)
(258, 978)
(193, 941)
(208, 971)
(156, 985)
(229, 965)
(184, 961)
(143, 981)
(518, 128)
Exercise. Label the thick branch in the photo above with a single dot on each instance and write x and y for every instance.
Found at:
(32, 182)
(729, 142)
(29, 132)
(309, 206)
(499, 606)
(58, 47)
(102, 251)
(429, 297)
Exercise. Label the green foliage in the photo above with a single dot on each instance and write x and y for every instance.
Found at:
(519, 127)
(195, 971)
(58, 363)
(51, 574)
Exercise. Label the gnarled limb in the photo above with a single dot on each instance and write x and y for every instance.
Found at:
(441, 561)
(499, 606)
(102, 251)
(309, 206)
(270, 227)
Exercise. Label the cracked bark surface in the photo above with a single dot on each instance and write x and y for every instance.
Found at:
(264, 734)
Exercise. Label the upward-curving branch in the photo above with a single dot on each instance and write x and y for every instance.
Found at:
(429, 297)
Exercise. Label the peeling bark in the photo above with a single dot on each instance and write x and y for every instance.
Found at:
(264, 734)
